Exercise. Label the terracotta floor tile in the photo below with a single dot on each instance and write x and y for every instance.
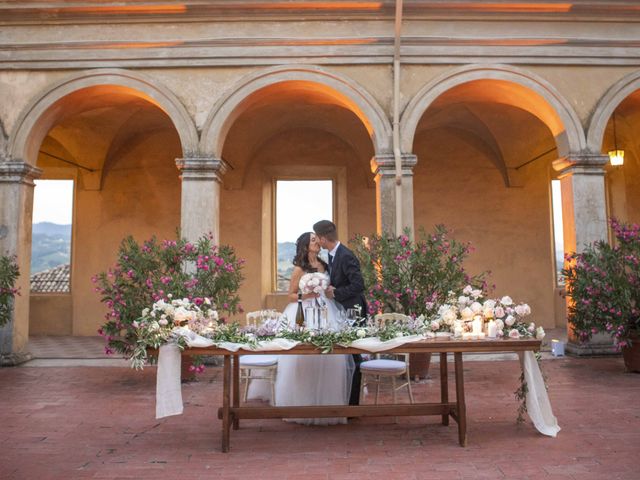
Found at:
(98, 423)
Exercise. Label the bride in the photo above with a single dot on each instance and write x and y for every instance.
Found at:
(312, 379)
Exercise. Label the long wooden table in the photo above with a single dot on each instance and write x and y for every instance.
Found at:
(231, 411)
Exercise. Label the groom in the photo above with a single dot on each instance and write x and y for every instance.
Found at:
(347, 285)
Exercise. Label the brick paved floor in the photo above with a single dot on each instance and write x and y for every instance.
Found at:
(98, 423)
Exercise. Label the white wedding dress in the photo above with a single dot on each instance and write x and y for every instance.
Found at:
(304, 380)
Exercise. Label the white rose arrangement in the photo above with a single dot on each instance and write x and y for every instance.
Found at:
(506, 317)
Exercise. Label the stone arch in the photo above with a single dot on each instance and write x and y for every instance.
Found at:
(344, 90)
(38, 117)
(607, 104)
(557, 114)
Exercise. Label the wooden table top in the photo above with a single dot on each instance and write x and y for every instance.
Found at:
(433, 345)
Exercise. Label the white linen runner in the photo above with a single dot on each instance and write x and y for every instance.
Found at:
(537, 400)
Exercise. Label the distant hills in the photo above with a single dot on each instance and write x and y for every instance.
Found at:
(51, 246)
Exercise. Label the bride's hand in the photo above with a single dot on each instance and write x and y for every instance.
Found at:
(307, 296)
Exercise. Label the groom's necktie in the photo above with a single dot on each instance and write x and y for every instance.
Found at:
(330, 262)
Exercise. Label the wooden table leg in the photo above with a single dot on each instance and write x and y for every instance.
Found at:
(444, 385)
(461, 407)
(236, 389)
(226, 403)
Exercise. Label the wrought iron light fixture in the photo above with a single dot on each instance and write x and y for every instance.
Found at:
(616, 156)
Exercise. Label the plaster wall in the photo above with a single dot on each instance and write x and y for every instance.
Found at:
(582, 85)
(50, 314)
(141, 197)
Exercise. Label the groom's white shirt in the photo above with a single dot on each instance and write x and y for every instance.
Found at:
(335, 249)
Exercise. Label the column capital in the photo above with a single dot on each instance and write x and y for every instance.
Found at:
(385, 164)
(202, 168)
(581, 163)
(18, 172)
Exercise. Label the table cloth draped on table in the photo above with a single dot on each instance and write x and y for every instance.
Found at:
(169, 394)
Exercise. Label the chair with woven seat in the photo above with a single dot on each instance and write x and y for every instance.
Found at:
(375, 371)
(259, 367)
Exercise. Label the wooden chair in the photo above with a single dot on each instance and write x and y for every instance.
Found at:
(259, 367)
(375, 371)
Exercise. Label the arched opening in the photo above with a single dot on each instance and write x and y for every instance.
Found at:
(622, 132)
(291, 130)
(119, 148)
(484, 151)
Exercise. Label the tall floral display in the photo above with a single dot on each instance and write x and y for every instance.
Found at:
(148, 274)
(603, 283)
(413, 277)
(9, 273)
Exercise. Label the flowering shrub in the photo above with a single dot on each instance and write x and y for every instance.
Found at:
(412, 277)
(603, 283)
(9, 273)
(154, 271)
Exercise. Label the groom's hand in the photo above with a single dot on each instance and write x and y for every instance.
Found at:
(329, 292)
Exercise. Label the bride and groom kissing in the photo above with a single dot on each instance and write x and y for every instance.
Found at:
(322, 379)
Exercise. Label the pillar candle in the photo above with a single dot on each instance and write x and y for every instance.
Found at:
(492, 329)
(477, 324)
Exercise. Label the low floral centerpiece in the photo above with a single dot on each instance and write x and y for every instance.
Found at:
(471, 315)
(162, 322)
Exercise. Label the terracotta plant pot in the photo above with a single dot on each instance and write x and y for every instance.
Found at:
(419, 365)
(631, 355)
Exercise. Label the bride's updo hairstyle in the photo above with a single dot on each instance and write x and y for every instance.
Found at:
(302, 253)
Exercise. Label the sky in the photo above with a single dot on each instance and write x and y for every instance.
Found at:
(557, 215)
(300, 204)
(53, 201)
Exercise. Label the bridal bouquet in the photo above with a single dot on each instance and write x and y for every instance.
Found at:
(313, 283)
(156, 325)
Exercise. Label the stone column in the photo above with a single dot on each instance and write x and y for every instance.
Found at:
(200, 203)
(584, 217)
(384, 169)
(16, 211)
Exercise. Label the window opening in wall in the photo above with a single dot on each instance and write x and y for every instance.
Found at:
(51, 236)
(558, 237)
(299, 204)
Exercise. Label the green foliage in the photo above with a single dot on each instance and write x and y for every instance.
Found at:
(9, 273)
(412, 277)
(603, 283)
(152, 271)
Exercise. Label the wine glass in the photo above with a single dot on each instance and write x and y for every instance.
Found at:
(352, 316)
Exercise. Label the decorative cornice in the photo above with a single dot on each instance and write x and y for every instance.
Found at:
(202, 168)
(18, 172)
(385, 165)
(169, 52)
(581, 163)
(110, 12)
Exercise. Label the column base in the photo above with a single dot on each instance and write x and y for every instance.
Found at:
(590, 349)
(13, 359)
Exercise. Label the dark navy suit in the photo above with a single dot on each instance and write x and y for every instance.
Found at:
(346, 277)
